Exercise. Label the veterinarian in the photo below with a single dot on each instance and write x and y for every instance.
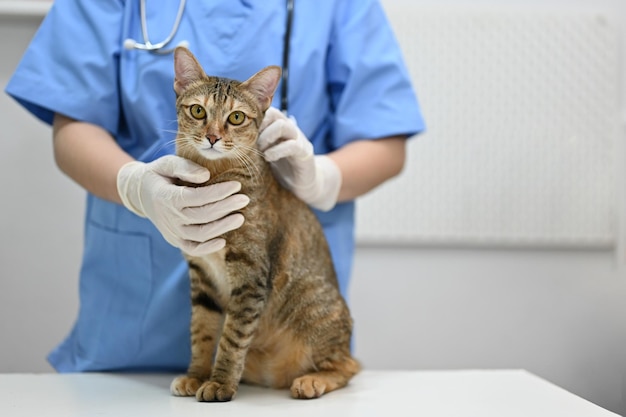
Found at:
(101, 73)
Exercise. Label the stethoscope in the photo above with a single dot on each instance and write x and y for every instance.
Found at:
(161, 47)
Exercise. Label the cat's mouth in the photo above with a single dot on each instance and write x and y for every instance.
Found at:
(210, 152)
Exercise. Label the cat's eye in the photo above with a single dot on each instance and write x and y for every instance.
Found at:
(236, 118)
(197, 111)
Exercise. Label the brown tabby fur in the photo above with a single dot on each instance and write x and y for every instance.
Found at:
(266, 309)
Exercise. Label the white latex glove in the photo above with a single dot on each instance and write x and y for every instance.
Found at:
(315, 179)
(189, 218)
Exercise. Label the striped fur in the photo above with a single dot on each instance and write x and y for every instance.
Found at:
(266, 309)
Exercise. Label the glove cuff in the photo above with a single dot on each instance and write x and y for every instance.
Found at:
(327, 184)
(128, 186)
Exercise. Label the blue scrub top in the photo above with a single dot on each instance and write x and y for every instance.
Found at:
(347, 82)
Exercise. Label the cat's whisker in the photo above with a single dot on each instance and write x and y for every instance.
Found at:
(252, 165)
(248, 153)
(186, 143)
(162, 146)
(247, 162)
(254, 150)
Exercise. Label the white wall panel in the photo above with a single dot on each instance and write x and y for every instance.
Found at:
(523, 115)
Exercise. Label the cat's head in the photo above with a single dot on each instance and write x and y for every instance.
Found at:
(218, 117)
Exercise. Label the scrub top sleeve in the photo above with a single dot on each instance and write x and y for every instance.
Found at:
(370, 86)
(70, 67)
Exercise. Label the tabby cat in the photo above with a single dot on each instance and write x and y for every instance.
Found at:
(266, 309)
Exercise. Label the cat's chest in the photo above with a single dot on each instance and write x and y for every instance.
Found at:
(214, 267)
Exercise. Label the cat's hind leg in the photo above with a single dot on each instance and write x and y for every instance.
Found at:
(331, 375)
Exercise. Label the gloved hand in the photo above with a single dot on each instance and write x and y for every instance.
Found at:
(189, 218)
(315, 179)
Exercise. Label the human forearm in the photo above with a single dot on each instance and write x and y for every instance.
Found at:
(89, 155)
(366, 164)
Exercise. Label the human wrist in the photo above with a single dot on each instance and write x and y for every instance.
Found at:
(325, 192)
(128, 186)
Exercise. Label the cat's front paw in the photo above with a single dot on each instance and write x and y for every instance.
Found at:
(185, 386)
(307, 387)
(214, 391)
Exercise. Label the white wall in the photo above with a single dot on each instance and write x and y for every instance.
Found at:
(558, 313)
(40, 226)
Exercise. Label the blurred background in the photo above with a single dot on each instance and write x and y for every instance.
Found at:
(502, 244)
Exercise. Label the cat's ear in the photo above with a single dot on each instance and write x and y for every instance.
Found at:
(263, 85)
(187, 69)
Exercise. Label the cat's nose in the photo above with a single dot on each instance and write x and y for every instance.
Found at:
(212, 139)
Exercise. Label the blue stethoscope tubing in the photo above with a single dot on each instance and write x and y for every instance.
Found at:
(160, 48)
